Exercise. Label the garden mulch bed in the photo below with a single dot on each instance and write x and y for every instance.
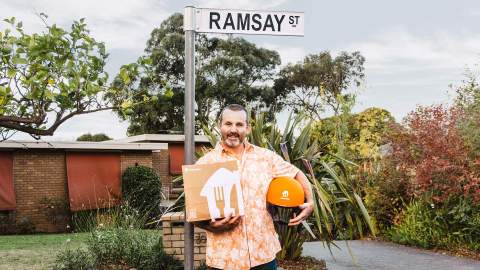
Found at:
(304, 263)
(461, 252)
(458, 252)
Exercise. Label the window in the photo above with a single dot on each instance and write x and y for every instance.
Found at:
(93, 180)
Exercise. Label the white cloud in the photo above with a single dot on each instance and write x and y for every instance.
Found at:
(399, 50)
(244, 4)
(121, 24)
(288, 54)
(404, 69)
(99, 122)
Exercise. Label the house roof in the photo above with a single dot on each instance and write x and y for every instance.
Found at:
(161, 138)
(108, 145)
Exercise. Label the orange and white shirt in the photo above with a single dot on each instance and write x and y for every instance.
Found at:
(254, 240)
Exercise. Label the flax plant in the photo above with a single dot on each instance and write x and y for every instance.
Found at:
(338, 208)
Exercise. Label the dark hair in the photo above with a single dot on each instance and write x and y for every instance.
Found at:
(235, 108)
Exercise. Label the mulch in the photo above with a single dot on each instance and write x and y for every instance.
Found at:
(303, 263)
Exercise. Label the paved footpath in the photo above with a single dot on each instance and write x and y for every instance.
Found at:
(375, 255)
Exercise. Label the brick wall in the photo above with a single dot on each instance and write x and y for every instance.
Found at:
(39, 174)
(160, 162)
(130, 159)
(173, 238)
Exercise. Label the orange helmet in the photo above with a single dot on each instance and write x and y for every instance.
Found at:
(286, 192)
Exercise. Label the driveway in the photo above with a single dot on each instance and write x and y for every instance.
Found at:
(376, 255)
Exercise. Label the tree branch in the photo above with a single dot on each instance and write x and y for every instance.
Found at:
(52, 128)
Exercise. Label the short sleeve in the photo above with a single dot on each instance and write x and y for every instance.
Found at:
(280, 167)
(205, 159)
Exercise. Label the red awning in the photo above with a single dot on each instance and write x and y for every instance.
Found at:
(93, 180)
(7, 191)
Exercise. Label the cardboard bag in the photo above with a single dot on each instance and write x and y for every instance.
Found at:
(212, 190)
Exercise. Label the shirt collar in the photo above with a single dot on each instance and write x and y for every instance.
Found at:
(221, 149)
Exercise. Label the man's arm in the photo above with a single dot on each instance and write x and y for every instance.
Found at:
(307, 207)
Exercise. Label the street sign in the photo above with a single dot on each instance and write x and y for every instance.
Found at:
(253, 22)
(225, 21)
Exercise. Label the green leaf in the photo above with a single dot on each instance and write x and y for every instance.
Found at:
(124, 75)
(365, 214)
(11, 73)
(19, 61)
(168, 92)
(126, 104)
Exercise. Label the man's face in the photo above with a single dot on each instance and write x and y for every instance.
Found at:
(234, 128)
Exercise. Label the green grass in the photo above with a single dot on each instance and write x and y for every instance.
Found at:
(36, 251)
(41, 241)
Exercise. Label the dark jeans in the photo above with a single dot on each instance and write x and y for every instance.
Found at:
(268, 266)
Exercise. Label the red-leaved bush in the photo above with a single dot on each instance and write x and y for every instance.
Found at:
(430, 149)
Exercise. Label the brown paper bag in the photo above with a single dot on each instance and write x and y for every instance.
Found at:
(212, 190)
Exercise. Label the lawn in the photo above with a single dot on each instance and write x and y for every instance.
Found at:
(36, 251)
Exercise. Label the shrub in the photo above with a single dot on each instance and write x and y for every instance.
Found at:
(25, 226)
(141, 187)
(431, 151)
(337, 206)
(56, 209)
(454, 224)
(386, 194)
(120, 216)
(157, 258)
(417, 227)
(119, 248)
(8, 225)
(135, 248)
(79, 259)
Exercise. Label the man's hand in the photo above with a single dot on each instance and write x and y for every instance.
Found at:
(225, 224)
(307, 209)
(221, 225)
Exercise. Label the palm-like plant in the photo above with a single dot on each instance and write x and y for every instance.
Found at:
(337, 206)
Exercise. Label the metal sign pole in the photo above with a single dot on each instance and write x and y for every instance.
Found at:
(189, 28)
(205, 20)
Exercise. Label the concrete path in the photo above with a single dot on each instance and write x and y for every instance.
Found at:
(374, 255)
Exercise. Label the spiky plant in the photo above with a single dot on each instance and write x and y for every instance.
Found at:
(338, 208)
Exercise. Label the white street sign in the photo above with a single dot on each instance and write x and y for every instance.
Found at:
(206, 20)
(231, 21)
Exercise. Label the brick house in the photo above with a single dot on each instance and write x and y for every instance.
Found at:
(32, 171)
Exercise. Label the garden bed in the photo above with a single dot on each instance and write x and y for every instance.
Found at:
(303, 263)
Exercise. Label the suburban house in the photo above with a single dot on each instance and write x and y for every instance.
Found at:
(85, 175)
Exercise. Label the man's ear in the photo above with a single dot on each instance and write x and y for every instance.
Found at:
(249, 129)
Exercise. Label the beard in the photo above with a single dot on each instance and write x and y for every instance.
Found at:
(233, 139)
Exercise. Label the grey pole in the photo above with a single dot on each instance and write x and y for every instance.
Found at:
(189, 28)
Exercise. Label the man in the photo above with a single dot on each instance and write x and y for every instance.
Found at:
(250, 241)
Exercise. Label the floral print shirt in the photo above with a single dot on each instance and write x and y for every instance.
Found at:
(253, 241)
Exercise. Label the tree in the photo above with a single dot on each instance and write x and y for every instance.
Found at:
(227, 71)
(47, 78)
(365, 133)
(100, 137)
(321, 81)
(468, 101)
(431, 150)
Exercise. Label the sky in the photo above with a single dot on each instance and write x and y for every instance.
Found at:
(416, 51)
